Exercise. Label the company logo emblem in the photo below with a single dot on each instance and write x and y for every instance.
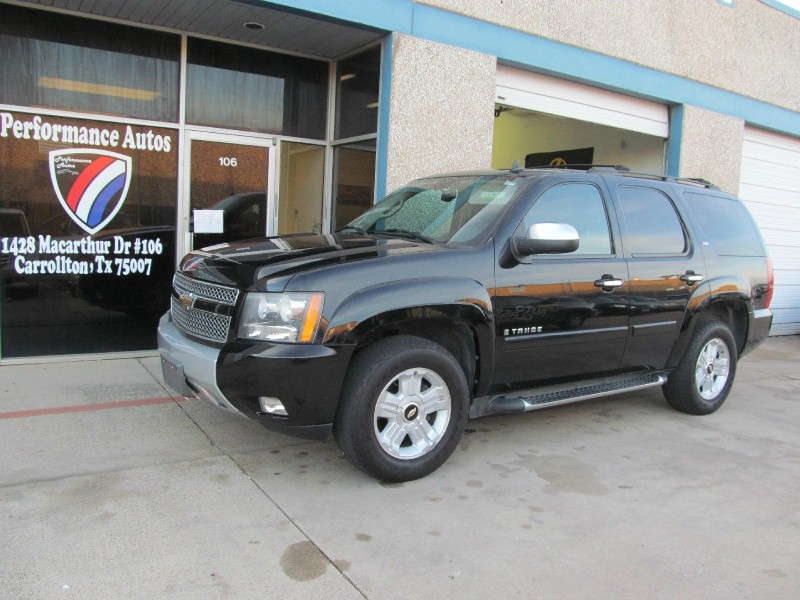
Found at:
(186, 300)
(91, 185)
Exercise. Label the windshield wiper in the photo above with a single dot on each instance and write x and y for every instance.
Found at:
(405, 233)
(358, 230)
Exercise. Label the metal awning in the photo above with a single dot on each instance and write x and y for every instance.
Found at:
(225, 19)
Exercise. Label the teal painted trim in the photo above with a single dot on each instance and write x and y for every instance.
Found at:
(577, 64)
(675, 140)
(546, 56)
(782, 7)
(382, 157)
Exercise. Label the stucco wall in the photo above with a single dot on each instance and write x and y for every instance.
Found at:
(751, 48)
(441, 110)
(711, 147)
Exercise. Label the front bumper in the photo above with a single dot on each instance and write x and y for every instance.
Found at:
(306, 378)
(190, 368)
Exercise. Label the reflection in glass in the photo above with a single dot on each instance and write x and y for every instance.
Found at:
(231, 178)
(358, 82)
(255, 90)
(458, 210)
(653, 225)
(64, 292)
(354, 181)
(302, 177)
(579, 205)
(61, 61)
(729, 227)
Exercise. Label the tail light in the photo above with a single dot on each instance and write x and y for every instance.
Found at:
(770, 282)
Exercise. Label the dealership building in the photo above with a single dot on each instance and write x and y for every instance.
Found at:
(132, 131)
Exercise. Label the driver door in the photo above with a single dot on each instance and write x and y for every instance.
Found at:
(564, 315)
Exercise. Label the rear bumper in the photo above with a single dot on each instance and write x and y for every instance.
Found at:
(760, 324)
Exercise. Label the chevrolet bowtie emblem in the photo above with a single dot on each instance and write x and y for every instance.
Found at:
(186, 300)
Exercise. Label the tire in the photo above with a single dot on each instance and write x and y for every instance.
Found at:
(703, 378)
(403, 409)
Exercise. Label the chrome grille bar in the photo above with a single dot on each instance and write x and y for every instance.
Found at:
(202, 289)
(205, 324)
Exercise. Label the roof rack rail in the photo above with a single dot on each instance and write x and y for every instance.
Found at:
(695, 181)
(619, 168)
(583, 167)
(625, 172)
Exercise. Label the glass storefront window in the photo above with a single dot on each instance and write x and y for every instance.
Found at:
(302, 179)
(59, 61)
(358, 82)
(87, 234)
(255, 90)
(354, 181)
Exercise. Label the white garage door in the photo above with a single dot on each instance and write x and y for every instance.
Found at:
(770, 186)
(540, 93)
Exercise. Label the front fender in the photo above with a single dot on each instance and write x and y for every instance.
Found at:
(441, 298)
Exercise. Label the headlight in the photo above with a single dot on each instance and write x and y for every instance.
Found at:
(288, 317)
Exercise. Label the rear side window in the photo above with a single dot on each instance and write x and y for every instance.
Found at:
(653, 225)
(729, 227)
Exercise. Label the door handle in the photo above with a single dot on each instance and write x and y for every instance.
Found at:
(691, 277)
(608, 283)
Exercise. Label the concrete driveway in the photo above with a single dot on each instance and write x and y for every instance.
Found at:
(109, 488)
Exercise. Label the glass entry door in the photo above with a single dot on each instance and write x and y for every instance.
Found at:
(228, 189)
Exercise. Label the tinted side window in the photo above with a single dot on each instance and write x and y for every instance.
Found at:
(728, 225)
(653, 225)
(579, 205)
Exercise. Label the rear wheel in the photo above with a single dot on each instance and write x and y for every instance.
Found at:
(703, 379)
(403, 409)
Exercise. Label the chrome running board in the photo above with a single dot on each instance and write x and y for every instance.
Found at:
(533, 399)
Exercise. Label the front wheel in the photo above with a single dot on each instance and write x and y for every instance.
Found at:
(403, 409)
(703, 378)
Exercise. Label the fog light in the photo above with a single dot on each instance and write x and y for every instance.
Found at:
(272, 406)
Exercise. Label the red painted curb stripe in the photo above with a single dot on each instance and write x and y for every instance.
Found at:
(60, 410)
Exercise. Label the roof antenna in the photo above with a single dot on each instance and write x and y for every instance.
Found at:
(515, 168)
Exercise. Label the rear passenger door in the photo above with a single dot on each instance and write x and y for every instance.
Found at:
(664, 266)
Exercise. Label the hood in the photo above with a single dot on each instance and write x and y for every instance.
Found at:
(252, 261)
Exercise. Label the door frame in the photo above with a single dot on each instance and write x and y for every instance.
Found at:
(183, 239)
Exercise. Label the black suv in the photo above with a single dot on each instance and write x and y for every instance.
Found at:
(471, 294)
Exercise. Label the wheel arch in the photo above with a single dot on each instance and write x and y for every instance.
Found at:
(727, 303)
(455, 313)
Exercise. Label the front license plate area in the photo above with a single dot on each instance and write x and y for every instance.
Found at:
(175, 378)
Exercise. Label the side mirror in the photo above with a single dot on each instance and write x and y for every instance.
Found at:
(545, 238)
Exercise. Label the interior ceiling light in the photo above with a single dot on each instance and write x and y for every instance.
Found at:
(254, 25)
(85, 87)
(347, 76)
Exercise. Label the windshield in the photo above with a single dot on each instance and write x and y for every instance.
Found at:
(458, 210)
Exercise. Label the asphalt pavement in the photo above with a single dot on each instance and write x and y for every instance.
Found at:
(111, 488)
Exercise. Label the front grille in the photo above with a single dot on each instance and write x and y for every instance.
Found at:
(202, 289)
(201, 323)
(205, 324)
